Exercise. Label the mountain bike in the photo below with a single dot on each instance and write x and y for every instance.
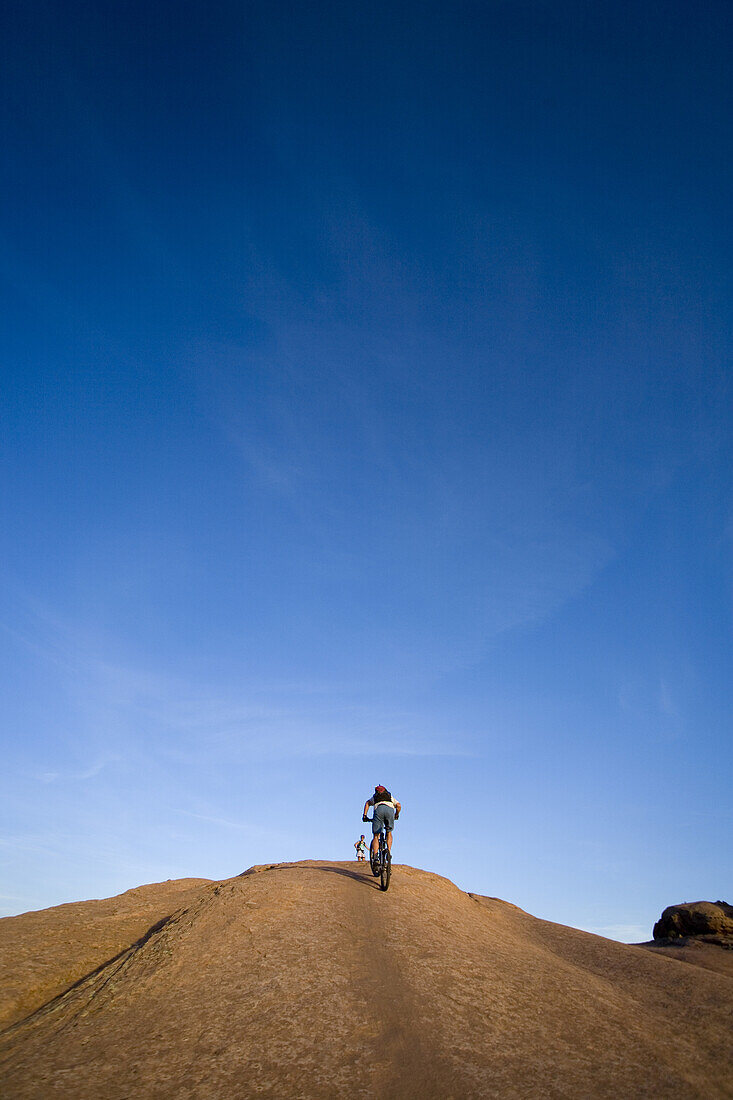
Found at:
(381, 863)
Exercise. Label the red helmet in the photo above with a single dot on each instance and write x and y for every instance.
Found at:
(380, 788)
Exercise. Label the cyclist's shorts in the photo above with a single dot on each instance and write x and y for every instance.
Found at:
(383, 815)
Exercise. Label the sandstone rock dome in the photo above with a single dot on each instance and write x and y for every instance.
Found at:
(305, 980)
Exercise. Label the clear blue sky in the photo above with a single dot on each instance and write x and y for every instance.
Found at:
(367, 418)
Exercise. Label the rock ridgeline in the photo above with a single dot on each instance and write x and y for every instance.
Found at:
(711, 921)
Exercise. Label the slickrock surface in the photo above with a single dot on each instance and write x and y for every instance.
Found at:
(43, 953)
(709, 956)
(305, 980)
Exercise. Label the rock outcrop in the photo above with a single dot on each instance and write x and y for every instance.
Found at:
(712, 920)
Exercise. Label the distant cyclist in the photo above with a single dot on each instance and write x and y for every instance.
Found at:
(360, 849)
(386, 810)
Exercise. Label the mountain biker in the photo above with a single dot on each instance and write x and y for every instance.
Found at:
(386, 811)
(360, 849)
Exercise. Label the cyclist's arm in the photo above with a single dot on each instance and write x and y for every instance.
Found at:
(366, 809)
(398, 807)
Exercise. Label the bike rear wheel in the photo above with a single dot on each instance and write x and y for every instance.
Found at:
(386, 871)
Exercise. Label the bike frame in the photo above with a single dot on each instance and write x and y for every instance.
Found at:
(382, 865)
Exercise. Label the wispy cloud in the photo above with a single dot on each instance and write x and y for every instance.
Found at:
(76, 776)
(215, 820)
(655, 698)
(249, 829)
(137, 708)
(625, 933)
(667, 704)
(26, 844)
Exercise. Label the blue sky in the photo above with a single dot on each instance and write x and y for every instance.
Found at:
(367, 418)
